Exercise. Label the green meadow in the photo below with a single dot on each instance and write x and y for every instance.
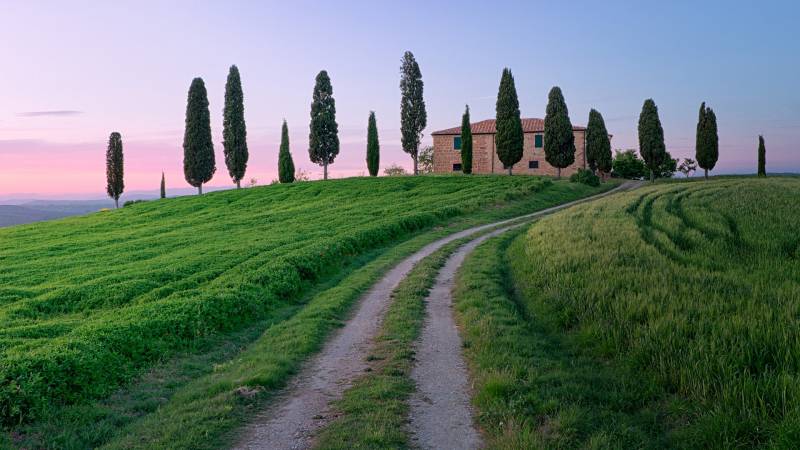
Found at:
(663, 317)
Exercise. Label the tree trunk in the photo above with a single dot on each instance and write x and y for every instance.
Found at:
(200, 189)
(238, 184)
(706, 173)
(558, 173)
(116, 203)
(652, 176)
(325, 170)
(416, 163)
(509, 170)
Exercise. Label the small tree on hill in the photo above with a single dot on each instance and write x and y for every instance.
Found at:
(762, 157)
(373, 146)
(651, 138)
(559, 140)
(163, 186)
(509, 137)
(114, 168)
(426, 160)
(466, 143)
(413, 117)
(687, 167)
(394, 170)
(627, 164)
(598, 145)
(285, 162)
(234, 131)
(323, 138)
(706, 140)
(198, 147)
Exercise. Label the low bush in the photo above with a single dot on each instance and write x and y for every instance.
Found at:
(585, 176)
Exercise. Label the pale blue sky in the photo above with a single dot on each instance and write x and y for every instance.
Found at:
(126, 66)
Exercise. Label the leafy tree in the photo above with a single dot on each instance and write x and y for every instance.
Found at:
(509, 137)
(323, 138)
(426, 160)
(373, 146)
(762, 157)
(285, 162)
(687, 167)
(707, 140)
(466, 143)
(394, 170)
(598, 145)
(651, 138)
(627, 164)
(667, 168)
(163, 186)
(234, 131)
(559, 140)
(413, 118)
(114, 168)
(198, 148)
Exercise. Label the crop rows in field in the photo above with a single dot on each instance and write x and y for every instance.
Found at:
(694, 286)
(85, 303)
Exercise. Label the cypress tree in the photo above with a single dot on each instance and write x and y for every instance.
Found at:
(323, 138)
(706, 139)
(163, 186)
(285, 162)
(559, 140)
(373, 146)
(598, 145)
(114, 168)
(466, 143)
(762, 157)
(198, 148)
(509, 137)
(651, 137)
(413, 117)
(234, 131)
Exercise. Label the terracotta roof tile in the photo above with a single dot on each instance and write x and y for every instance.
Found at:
(488, 127)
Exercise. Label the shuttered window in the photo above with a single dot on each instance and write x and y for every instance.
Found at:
(457, 143)
(537, 141)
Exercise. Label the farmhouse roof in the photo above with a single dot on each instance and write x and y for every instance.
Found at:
(488, 127)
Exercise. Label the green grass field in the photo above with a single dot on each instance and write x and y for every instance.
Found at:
(89, 304)
(663, 317)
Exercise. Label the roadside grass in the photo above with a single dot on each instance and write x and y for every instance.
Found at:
(372, 414)
(89, 303)
(195, 401)
(534, 389)
(691, 287)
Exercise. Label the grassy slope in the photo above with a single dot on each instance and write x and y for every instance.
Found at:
(691, 290)
(205, 408)
(86, 302)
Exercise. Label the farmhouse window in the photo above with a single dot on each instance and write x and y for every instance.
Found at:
(457, 143)
(537, 141)
(457, 167)
(533, 164)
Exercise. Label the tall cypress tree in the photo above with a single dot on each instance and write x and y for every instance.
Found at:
(509, 137)
(114, 168)
(373, 146)
(466, 143)
(706, 139)
(323, 138)
(598, 145)
(559, 139)
(199, 164)
(163, 186)
(413, 117)
(234, 131)
(651, 138)
(762, 157)
(285, 162)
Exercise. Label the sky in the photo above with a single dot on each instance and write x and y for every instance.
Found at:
(74, 71)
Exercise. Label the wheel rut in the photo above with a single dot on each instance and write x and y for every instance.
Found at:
(303, 407)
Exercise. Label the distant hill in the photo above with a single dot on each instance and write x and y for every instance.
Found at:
(39, 210)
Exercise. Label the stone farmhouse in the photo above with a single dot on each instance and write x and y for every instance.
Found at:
(447, 147)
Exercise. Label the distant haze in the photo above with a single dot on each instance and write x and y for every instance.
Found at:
(73, 73)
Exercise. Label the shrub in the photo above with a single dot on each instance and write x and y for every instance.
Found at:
(585, 176)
